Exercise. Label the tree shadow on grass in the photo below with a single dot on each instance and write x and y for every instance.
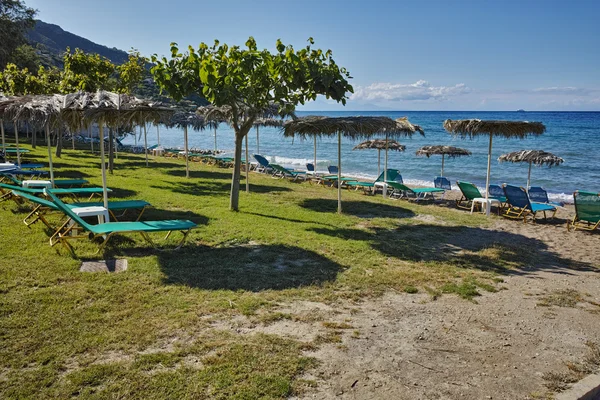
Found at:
(361, 209)
(464, 247)
(72, 174)
(211, 188)
(251, 268)
(200, 174)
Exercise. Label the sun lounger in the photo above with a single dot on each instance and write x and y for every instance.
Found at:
(281, 172)
(497, 192)
(61, 183)
(399, 190)
(441, 182)
(587, 211)
(43, 206)
(539, 195)
(108, 229)
(32, 166)
(6, 191)
(263, 164)
(392, 175)
(5, 175)
(520, 207)
(469, 193)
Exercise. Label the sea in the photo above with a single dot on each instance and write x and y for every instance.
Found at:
(574, 136)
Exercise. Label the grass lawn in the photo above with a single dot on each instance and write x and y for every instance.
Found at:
(149, 332)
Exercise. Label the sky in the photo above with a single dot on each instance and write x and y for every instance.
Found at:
(403, 55)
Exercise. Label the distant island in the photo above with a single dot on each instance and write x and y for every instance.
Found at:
(520, 110)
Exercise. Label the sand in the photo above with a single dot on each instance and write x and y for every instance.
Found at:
(410, 346)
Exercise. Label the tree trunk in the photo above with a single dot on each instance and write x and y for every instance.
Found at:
(34, 138)
(235, 180)
(111, 153)
(59, 143)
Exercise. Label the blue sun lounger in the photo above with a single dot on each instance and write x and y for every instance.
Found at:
(520, 207)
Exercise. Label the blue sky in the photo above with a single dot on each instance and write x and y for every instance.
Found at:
(403, 55)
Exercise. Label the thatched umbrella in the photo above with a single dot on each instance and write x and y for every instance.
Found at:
(185, 120)
(4, 102)
(215, 115)
(380, 144)
(537, 157)
(444, 151)
(506, 129)
(41, 111)
(350, 127)
(8, 108)
(112, 109)
(267, 121)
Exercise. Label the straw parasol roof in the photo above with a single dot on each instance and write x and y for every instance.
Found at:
(114, 109)
(39, 110)
(507, 129)
(537, 157)
(380, 144)
(450, 151)
(352, 127)
(189, 120)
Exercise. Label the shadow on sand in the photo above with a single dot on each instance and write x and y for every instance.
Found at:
(463, 247)
(361, 209)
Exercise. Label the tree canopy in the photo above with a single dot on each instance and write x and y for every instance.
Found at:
(15, 19)
(250, 81)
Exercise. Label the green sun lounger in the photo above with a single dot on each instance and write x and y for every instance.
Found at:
(59, 183)
(400, 190)
(6, 191)
(520, 207)
(107, 229)
(281, 172)
(587, 211)
(392, 175)
(469, 192)
(43, 206)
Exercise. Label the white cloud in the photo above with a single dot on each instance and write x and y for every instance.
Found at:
(570, 90)
(418, 91)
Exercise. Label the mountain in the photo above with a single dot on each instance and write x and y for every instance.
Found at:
(51, 41)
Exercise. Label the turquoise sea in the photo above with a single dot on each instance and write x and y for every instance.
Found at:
(574, 136)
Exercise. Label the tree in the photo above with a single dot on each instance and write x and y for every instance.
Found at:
(249, 81)
(131, 72)
(87, 72)
(15, 19)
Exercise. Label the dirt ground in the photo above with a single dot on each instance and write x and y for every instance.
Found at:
(410, 346)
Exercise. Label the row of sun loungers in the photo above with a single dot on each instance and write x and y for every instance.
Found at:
(45, 200)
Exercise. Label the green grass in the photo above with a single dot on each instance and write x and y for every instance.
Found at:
(148, 332)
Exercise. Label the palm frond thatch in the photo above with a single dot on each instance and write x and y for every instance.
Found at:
(189, 120)
(507, 129)
(38, 110)
(450, 151)
(112, 108)
(380, 144)
(536, 157)
(225, 114)
(271, 122)
(352, 127)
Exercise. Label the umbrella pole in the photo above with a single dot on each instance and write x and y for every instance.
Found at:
(257, 142)
(315, 156)
(386, 168)
(378, 162)
(442, 165)
(146, 143)
(529, 178)
(487, 179)
(103, 164)
(157, 135)
(248, 169)
(187, 158)
(339, 172)
(90, 135)
(72, 141)
(215, 140)
(49, 145)
(3, 141)
(17, 143)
